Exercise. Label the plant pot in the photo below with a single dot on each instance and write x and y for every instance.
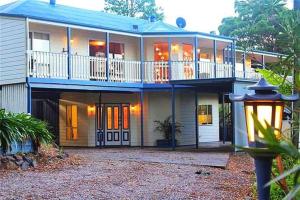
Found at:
(165, 143)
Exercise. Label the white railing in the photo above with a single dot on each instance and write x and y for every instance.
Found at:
(88, 68)
(55, 65)
(205, 69)
(223, 70)
(156, 72)
(47, 64)
(250, 73)
(124, 71)
(182, 70)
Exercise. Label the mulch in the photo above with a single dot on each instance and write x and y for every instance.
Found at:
(86, 176)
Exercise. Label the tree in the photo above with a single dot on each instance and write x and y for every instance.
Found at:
(143, 9)
(256, 24)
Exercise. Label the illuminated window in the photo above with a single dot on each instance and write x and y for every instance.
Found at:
(109, 117)
(125, 117)
(72, 122)
(204, 114)
(161, 52)
(187, 52)
(116, 117)
(98, 48)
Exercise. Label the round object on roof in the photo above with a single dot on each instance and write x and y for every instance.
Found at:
(152, 18)
(180, 21)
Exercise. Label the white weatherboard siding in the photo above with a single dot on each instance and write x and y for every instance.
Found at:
(157, 106)
(86, 124)
(12, 50)
(14, 98)
(187, 118)
(210, 133)
(240, 134)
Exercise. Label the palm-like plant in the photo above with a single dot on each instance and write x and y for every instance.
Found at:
(19, 127)
(9, 131)
(165, 127)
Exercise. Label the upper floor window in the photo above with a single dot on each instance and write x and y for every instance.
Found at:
(39, 41)
(205, 114)
(161, 52)
(179, 52)
(97, 48)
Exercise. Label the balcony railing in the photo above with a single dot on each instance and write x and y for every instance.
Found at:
(156, 72)
(55, 65)
(47, 65)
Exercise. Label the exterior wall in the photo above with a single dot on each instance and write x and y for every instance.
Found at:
(157, 106)
(239, 129)
(12, 50)
(58, 36)
(80, 40)
(187, 118)
(86, 124)
(14, 98)
(210, 133)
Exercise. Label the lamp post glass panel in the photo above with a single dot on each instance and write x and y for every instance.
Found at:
(267, 105)
(267, 112)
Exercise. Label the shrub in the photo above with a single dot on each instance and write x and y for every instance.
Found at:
(19, 127)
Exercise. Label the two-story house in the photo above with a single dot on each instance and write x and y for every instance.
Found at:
(101, 80)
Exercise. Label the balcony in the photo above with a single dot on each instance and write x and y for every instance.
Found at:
(55, 66)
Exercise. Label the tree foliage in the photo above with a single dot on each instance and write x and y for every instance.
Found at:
(255, 24)
(143, 9)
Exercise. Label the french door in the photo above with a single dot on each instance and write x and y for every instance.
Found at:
(113, 125)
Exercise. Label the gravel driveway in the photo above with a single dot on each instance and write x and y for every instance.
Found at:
(134, 174)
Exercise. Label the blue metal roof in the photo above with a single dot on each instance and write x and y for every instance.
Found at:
(41, 10)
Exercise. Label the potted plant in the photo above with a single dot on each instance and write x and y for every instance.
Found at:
(165, 127)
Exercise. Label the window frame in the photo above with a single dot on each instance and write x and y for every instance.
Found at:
(69, 124)
(208, 112)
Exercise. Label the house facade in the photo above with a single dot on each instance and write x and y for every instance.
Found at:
(102, 80)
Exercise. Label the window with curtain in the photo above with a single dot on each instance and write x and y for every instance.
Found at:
(205, 114)
(72, 122)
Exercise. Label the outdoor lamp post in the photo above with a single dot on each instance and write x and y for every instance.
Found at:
(267, 105)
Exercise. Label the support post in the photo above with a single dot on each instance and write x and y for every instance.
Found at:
(142, 116)
(169, 60)
(69, 33)
(233, 57)
(29, 99)
(244, 64)
(263, 61)
(173, 118)
(224, 130)
(142, 58)
(215, 58)
(196, 119)
(196, 57)
(107, 55)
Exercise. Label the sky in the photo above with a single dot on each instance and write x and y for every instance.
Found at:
(200, 15)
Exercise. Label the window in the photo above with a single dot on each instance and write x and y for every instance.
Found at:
(98, 49)
(161, 52)
(204, 114)
(187, 52)
(72, 122)
(39, 41)
(125, 117)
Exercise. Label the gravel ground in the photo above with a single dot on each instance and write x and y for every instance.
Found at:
(124, 176)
